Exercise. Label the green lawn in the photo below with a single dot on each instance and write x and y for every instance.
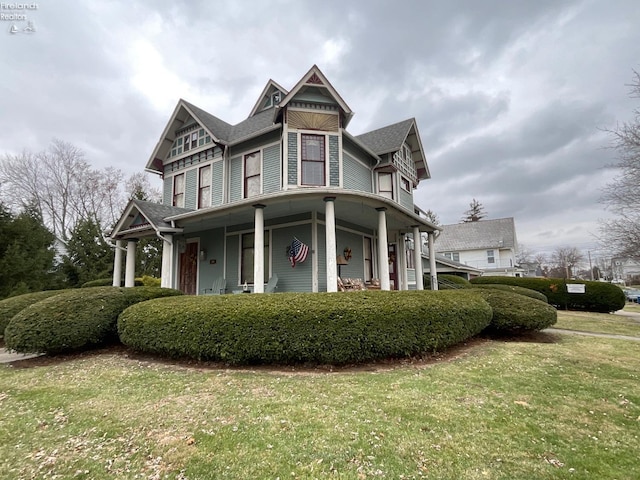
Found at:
(547, 407)
(601, 322)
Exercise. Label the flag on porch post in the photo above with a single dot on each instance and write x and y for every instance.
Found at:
(297, 252)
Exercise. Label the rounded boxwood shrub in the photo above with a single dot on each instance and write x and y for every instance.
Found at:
(321, 328)
(13, 305)
(445, 279)
(512, 288)
(513, 313)
(74, 319)
(107, 282)
(598, 297)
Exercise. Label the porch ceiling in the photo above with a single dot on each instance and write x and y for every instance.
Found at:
(352, 207)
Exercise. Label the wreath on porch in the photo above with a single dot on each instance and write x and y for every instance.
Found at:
(347, 254)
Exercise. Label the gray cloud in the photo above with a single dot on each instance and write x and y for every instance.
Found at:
(510, 97)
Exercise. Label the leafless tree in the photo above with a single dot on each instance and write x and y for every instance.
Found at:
(61, 185)
(622, 195)
(524, 254)
(565, 260)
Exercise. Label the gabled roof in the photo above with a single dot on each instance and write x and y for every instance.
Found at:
(315, 78)
(387, 139)
(390, 139)
(483, 234)
(153, 215)
(269, 89)
(218, 130)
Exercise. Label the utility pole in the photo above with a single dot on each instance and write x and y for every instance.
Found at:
(590, 267)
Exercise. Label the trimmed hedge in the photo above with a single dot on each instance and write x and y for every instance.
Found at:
(108, 282)
(458, 280)
(515, 313)
(286, 328)
(598, 297)
(74, 319)
(512, 288)
(13, 305)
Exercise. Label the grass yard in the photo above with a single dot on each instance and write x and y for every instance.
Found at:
(552, 406)
(601, 322)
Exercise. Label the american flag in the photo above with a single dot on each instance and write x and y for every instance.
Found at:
(298, 252)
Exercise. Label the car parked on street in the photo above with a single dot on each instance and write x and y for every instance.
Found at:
(632, 294)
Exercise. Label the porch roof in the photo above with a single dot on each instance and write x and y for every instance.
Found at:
(358, 208)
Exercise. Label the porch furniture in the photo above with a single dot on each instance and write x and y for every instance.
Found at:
(350, 284)
(271, 285)
(218, 288)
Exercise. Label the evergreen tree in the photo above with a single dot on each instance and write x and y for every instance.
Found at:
(26, 253)
(89, 256)
(475, 213)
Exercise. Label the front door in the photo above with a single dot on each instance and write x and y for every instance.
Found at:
(189, 269)
(393, 267)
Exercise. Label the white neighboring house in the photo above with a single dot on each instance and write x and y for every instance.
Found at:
(625, 268)
(488, 245)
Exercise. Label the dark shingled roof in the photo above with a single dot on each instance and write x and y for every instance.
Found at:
(499, 233)
(156, 212)
(387, 139)
(229, 133)
(220, 128)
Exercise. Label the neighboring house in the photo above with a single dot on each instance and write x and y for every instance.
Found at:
(488, 245)
(626, 269)
(236, 196)
(531, 269)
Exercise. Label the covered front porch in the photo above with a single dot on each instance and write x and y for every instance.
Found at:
(246, 242)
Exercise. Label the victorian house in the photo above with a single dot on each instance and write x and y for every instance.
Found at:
(239, 200)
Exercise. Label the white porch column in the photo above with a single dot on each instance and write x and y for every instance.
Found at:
(117, 264)
(130, 268)
(417, 257)
(166, 272)
(258, 250)
(402, 262)
(331, 253)
(432, 261)
(383, 249)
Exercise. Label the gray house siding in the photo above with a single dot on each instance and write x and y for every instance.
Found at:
(217, 182)
(334, 161)
(235, 180)
(255, 143)
(191, 188)
(355, 269)
(212, 242)
(233, 262)
(356, 176)
(292, 160)
(271, 169)
(298, 279)
(405, 199)
(167, 191)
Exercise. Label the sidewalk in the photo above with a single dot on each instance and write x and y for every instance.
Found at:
(8, 357)
(590, 334)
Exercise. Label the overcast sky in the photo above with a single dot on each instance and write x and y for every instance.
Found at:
(511, 97)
